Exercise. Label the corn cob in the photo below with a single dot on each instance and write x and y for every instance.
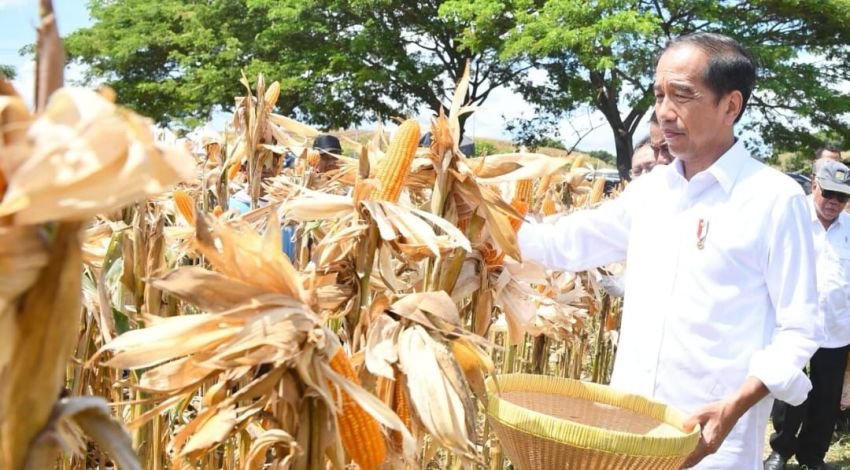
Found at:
(578, 162)
(394, 167)
(469, 357)
(185, 206)
(598, 190)
(548, 206)
(234, 170)
(359, 431)
(271, 95)
(543, 186)
(522, 191)
(401, 406)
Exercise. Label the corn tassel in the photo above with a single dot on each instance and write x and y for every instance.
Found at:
(359, 431)
(394, 167)
(185, 206)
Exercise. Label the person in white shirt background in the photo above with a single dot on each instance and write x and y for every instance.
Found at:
(806, 430)
(721, 311)
(643, 159)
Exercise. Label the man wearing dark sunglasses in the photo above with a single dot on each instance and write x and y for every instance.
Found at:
(815, 418)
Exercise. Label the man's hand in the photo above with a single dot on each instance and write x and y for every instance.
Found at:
(717, 419)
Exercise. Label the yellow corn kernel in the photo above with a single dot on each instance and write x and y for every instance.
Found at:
(394, 167)
(548, 207)
(598, 190)
(401, 408)
(578, 162)
(469, 357)
(359, 431)
(522, 190)
(272, 92)
(185, 206)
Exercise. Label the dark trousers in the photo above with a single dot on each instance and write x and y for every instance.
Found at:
(814, 418)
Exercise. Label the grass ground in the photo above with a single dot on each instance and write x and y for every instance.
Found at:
(838, 456)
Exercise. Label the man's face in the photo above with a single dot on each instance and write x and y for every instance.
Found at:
(326, 163)
(689, 114)
(659, 145)
(831, 155)
(642, 161)
(828, 204)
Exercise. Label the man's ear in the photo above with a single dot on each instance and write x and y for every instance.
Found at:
(734, 102)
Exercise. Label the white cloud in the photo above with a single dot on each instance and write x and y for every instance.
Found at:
(7, 4)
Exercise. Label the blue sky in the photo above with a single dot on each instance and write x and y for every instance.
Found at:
(18, 19)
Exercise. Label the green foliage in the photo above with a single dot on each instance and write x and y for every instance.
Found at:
(339, 62)
(603, 155)
(533, 133)
(600, 54)
(8, 71)
(484, 148)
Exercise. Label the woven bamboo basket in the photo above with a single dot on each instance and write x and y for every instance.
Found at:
(555, 423)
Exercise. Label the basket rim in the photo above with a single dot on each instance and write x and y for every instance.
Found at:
(583, 436)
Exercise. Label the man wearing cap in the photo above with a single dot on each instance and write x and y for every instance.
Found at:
(328, 146)
(806, 430)
(720, 312)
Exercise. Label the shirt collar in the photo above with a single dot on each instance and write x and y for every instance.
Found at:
(726, 169)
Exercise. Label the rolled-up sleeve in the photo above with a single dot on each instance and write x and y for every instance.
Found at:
(580, 241)
(791, 284)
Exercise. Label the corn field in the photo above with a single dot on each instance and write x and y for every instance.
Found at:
(147, 324)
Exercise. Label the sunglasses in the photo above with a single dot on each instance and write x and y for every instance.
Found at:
(840, 197)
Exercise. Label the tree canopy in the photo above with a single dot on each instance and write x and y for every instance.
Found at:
(601, 54)
(341, 62)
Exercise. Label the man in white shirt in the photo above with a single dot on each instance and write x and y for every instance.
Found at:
(722, 310)
(815, 418)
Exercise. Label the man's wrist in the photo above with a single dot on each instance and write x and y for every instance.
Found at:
(751, 392)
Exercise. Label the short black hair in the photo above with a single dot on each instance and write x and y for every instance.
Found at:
(827, 147)
(730, 66)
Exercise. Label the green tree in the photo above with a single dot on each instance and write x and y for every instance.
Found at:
(600, 54)
(8, 71)
(339, 62)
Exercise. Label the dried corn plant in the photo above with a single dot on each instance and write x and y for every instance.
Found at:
(79, 156)
(369, 346)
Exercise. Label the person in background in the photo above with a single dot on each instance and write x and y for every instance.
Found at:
(829, 151)
(657, 142)
(806, 430)
(328, 146)
(721, 311)
(643, 159)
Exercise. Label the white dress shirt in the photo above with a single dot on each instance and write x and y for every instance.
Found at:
(700, 318)
(832, 247)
